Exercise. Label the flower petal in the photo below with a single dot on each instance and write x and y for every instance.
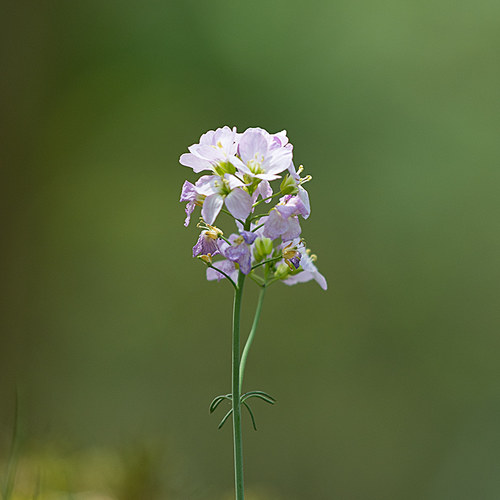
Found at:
(321, 280)
(211, 208)
(233, 181)
(206, 185)
(304, 198)
(275, 225)
(252, 142)
(239, 203)
(293, 230)
(266, 177)
(188, 192)
(205, 245)
(264, 189)
(196, 163)
(189, 210)
(248, 236)
(302, 277)
(278, 160)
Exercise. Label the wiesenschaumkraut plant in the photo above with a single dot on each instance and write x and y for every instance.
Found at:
(238, 171)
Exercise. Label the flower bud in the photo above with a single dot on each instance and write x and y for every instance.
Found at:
(263, 247)
(282, 272)
(288, 185)
(207, 259)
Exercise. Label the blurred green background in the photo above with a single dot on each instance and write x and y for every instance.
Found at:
(388, 384)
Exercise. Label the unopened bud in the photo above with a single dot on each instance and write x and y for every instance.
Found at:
(263, 247)
(288, 185)
(282, 272)
(206, 258)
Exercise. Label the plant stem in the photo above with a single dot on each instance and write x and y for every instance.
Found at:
(268, 261)
(237, 437)
(251, 335)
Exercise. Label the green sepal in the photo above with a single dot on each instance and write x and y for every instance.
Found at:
(289, 185)
(224, 168)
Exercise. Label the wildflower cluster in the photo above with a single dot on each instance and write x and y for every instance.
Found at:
(267, 244)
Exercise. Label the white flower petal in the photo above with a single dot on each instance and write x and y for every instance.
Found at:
(196, 163)
(211, 208)
(239, 203)
(252, 143)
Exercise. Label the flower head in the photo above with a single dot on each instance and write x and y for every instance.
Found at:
(263, 155)
(309, 271)
(215, 151)
(283, 219)
(239, 250)
(240, 168)
(207, 243)
(228, 190)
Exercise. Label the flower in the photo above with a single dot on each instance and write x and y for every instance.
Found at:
(301, 192)
(239, 251)
(283, 219)
(227, 189)
(263, 155)
(207, 243)
(215, 151)
(309, 271)
(240, 168)
(291, 255)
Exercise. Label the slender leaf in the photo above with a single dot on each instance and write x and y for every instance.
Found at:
(218, 400)
(251, 415)
(258, 394)
(226, 416)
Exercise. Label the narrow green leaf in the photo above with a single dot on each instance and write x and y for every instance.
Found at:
(251, 415)
(217, 400)
(226, 416)
(259, 394)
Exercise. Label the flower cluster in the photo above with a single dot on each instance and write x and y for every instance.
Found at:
(239, 169)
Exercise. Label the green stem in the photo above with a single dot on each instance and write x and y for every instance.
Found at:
(251, 335)
(237, 437)
(257, 203)
(268, 261)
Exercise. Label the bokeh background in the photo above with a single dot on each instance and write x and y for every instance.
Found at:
(388, 384)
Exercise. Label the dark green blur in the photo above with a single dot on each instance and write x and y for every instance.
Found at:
(388, 384)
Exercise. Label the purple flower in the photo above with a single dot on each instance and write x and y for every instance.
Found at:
(219, 190)
(263, 155)
(291, 254)
(302, 194)
(207, 243)
(239, 251)
(309, 272)
(283, 219)
(215, 151)
(191, 195)
(248, 236)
